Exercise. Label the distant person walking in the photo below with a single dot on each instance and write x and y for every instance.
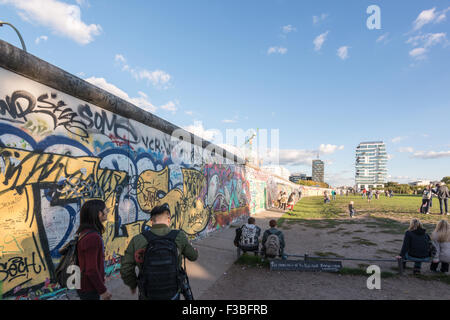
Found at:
(441, 241)
(326, 197)
(443, 195)
(377, 194)
(291, 201)
(333, 194)
(284, 200)
(280, 195)
(364, 193)
(369, 195)
(351, 209)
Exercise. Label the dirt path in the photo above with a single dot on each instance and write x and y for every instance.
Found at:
(360, 237)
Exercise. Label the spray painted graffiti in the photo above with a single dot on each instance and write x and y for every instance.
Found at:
(57, 151)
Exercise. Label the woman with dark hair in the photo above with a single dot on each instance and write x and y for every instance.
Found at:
(90, 249)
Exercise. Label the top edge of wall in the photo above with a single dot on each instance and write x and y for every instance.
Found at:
(34, 68)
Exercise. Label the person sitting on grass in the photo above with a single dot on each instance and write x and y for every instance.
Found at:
(351, 209)
(416, 244)
(273, 242)
(441, 241)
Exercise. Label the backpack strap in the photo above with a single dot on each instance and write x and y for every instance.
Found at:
(150, 236)
(85, 234)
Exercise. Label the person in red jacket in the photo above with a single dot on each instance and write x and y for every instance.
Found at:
(90, 249)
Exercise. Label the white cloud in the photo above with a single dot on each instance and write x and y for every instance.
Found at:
(406, 149)
(430, 16)
(329, 148)
(200, 131)
(428, 40)
(424, 18)
(120, 58)
(279, 50)
(431, 154)
(170, 106)
(141, 101)
(228, 121)
(82, 3)
(158, 78)
(41, 38)
(418, 53)
(190, 113)
(398, 139)
(383, 37)
(295, 157)
(288, 28)
(61, 18)
(317, 19)
(342, 52)
(319, 41)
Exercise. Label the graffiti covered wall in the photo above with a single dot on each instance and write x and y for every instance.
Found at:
(57, 151)
(58, 148)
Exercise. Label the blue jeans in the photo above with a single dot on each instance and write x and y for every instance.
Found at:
(443, 202)
(417, 261)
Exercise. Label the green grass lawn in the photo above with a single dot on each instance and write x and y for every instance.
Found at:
(392, 214)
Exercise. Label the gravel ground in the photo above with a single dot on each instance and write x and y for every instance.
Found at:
(351, 238)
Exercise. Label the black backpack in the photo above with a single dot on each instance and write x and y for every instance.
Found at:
(69, 257)
(237, 237)
(159, 275)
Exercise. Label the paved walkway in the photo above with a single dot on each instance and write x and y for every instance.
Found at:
(216, 254)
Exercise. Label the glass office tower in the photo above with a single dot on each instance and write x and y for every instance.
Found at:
(318, 169)
(371, 161)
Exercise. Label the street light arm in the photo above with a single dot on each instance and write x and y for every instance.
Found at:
(18, 33)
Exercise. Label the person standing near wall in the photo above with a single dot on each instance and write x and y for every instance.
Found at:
(163, 283)
(291, 201)
(90, 250)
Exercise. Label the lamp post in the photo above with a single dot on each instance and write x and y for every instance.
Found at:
(18, 33)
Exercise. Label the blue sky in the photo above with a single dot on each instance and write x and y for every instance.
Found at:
(311, 69)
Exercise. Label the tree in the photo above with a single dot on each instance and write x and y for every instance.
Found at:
(446, 180)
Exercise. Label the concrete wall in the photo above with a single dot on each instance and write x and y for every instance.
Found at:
(64, 141)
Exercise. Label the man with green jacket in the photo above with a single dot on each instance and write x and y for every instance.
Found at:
(134, 254)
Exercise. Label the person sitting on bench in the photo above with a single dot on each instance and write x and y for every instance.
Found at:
(416, 246)
(273, 242)
(249, 234)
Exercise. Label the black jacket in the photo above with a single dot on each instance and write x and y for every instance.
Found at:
(416, 244)
(442, 192)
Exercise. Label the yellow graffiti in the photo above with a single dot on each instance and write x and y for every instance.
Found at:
(187, 208)
(22, 260)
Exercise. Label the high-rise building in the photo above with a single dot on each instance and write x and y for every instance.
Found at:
(370, 167)
(318, 169)
(295, 177)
